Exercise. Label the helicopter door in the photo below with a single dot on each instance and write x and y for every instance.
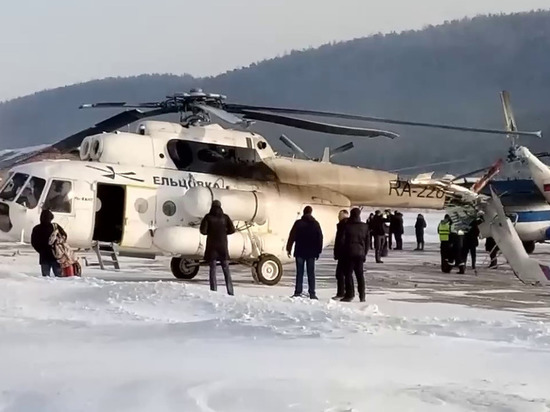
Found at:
(139, 216)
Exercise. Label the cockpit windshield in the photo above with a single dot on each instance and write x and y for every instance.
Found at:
(13, 186)
(31, 193)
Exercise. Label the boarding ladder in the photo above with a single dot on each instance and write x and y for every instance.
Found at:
(103, 250)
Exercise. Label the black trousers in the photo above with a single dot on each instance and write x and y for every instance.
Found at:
(472, 251)
(341, 277)
(446, 251)
(226, 274)
(355, 265)
(420, 239)
(379, 241)
(398, 241)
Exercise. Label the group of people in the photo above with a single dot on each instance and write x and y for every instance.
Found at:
(350, 250)
(457, 245)
(353, 240)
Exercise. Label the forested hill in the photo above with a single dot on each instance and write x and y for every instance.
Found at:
(450, 73)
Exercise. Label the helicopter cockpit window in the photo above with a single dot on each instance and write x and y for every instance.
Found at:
(31, 193)
(13, 186)
(59, 197)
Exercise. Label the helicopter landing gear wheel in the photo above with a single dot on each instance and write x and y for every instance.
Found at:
(184, 268)
(268, 270)
(529, 247)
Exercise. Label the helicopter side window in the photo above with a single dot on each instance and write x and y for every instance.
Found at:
(59, 197)
(214, 154)
(31, 192)
(13, 186)
(180, 152)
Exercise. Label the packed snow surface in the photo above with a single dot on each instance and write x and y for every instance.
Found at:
(139, 340)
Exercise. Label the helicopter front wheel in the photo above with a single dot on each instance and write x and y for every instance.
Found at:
(268, 270)
(184, 268)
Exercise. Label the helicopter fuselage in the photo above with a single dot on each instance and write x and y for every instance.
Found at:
(147, 192)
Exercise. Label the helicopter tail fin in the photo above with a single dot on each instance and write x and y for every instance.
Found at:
(326, 155)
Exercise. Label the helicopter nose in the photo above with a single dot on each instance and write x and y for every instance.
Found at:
(5, 221)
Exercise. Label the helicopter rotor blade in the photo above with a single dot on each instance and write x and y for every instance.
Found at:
(101, 105)
(341, 149)
(316, 126)
(236, 108)
(220, 114)
(73, 141)
(294, 147)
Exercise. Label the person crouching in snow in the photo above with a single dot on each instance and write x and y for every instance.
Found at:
(40, 239)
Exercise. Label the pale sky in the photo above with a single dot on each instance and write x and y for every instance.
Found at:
(51, 43)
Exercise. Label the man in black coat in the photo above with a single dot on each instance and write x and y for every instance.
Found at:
(397, 228)
(419, 227)
(471, 242)
(216, 225)
(307, 236)
(339, 255)
(355, 244)
(379, 233)
(40, 238)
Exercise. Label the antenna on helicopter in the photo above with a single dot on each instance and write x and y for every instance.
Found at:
(328, 153)
(297, 150)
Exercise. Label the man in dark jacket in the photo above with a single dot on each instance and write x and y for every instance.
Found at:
(355, 244)
(40, 238)
(307, 236)
(396, 227)
(216, 225)
(377, 230)
(471, 242)
(419, 227)
(339, 255)
(371, 236)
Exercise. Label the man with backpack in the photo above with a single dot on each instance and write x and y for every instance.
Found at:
(40, 241)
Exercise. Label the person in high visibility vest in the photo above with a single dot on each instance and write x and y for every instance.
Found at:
(444, 231)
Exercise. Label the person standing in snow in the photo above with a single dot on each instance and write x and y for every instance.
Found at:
(471, 242)
(419, 227)
(216, 226)
(371, 236)
(339, 255)
(40, 238)
(377, 230)
(444, 230)
(355, 245)
(307, 238)
(396, 227)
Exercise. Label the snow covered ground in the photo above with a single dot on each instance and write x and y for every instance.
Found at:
(138, 340)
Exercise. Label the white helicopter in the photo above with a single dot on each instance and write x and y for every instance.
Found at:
(147, 191)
